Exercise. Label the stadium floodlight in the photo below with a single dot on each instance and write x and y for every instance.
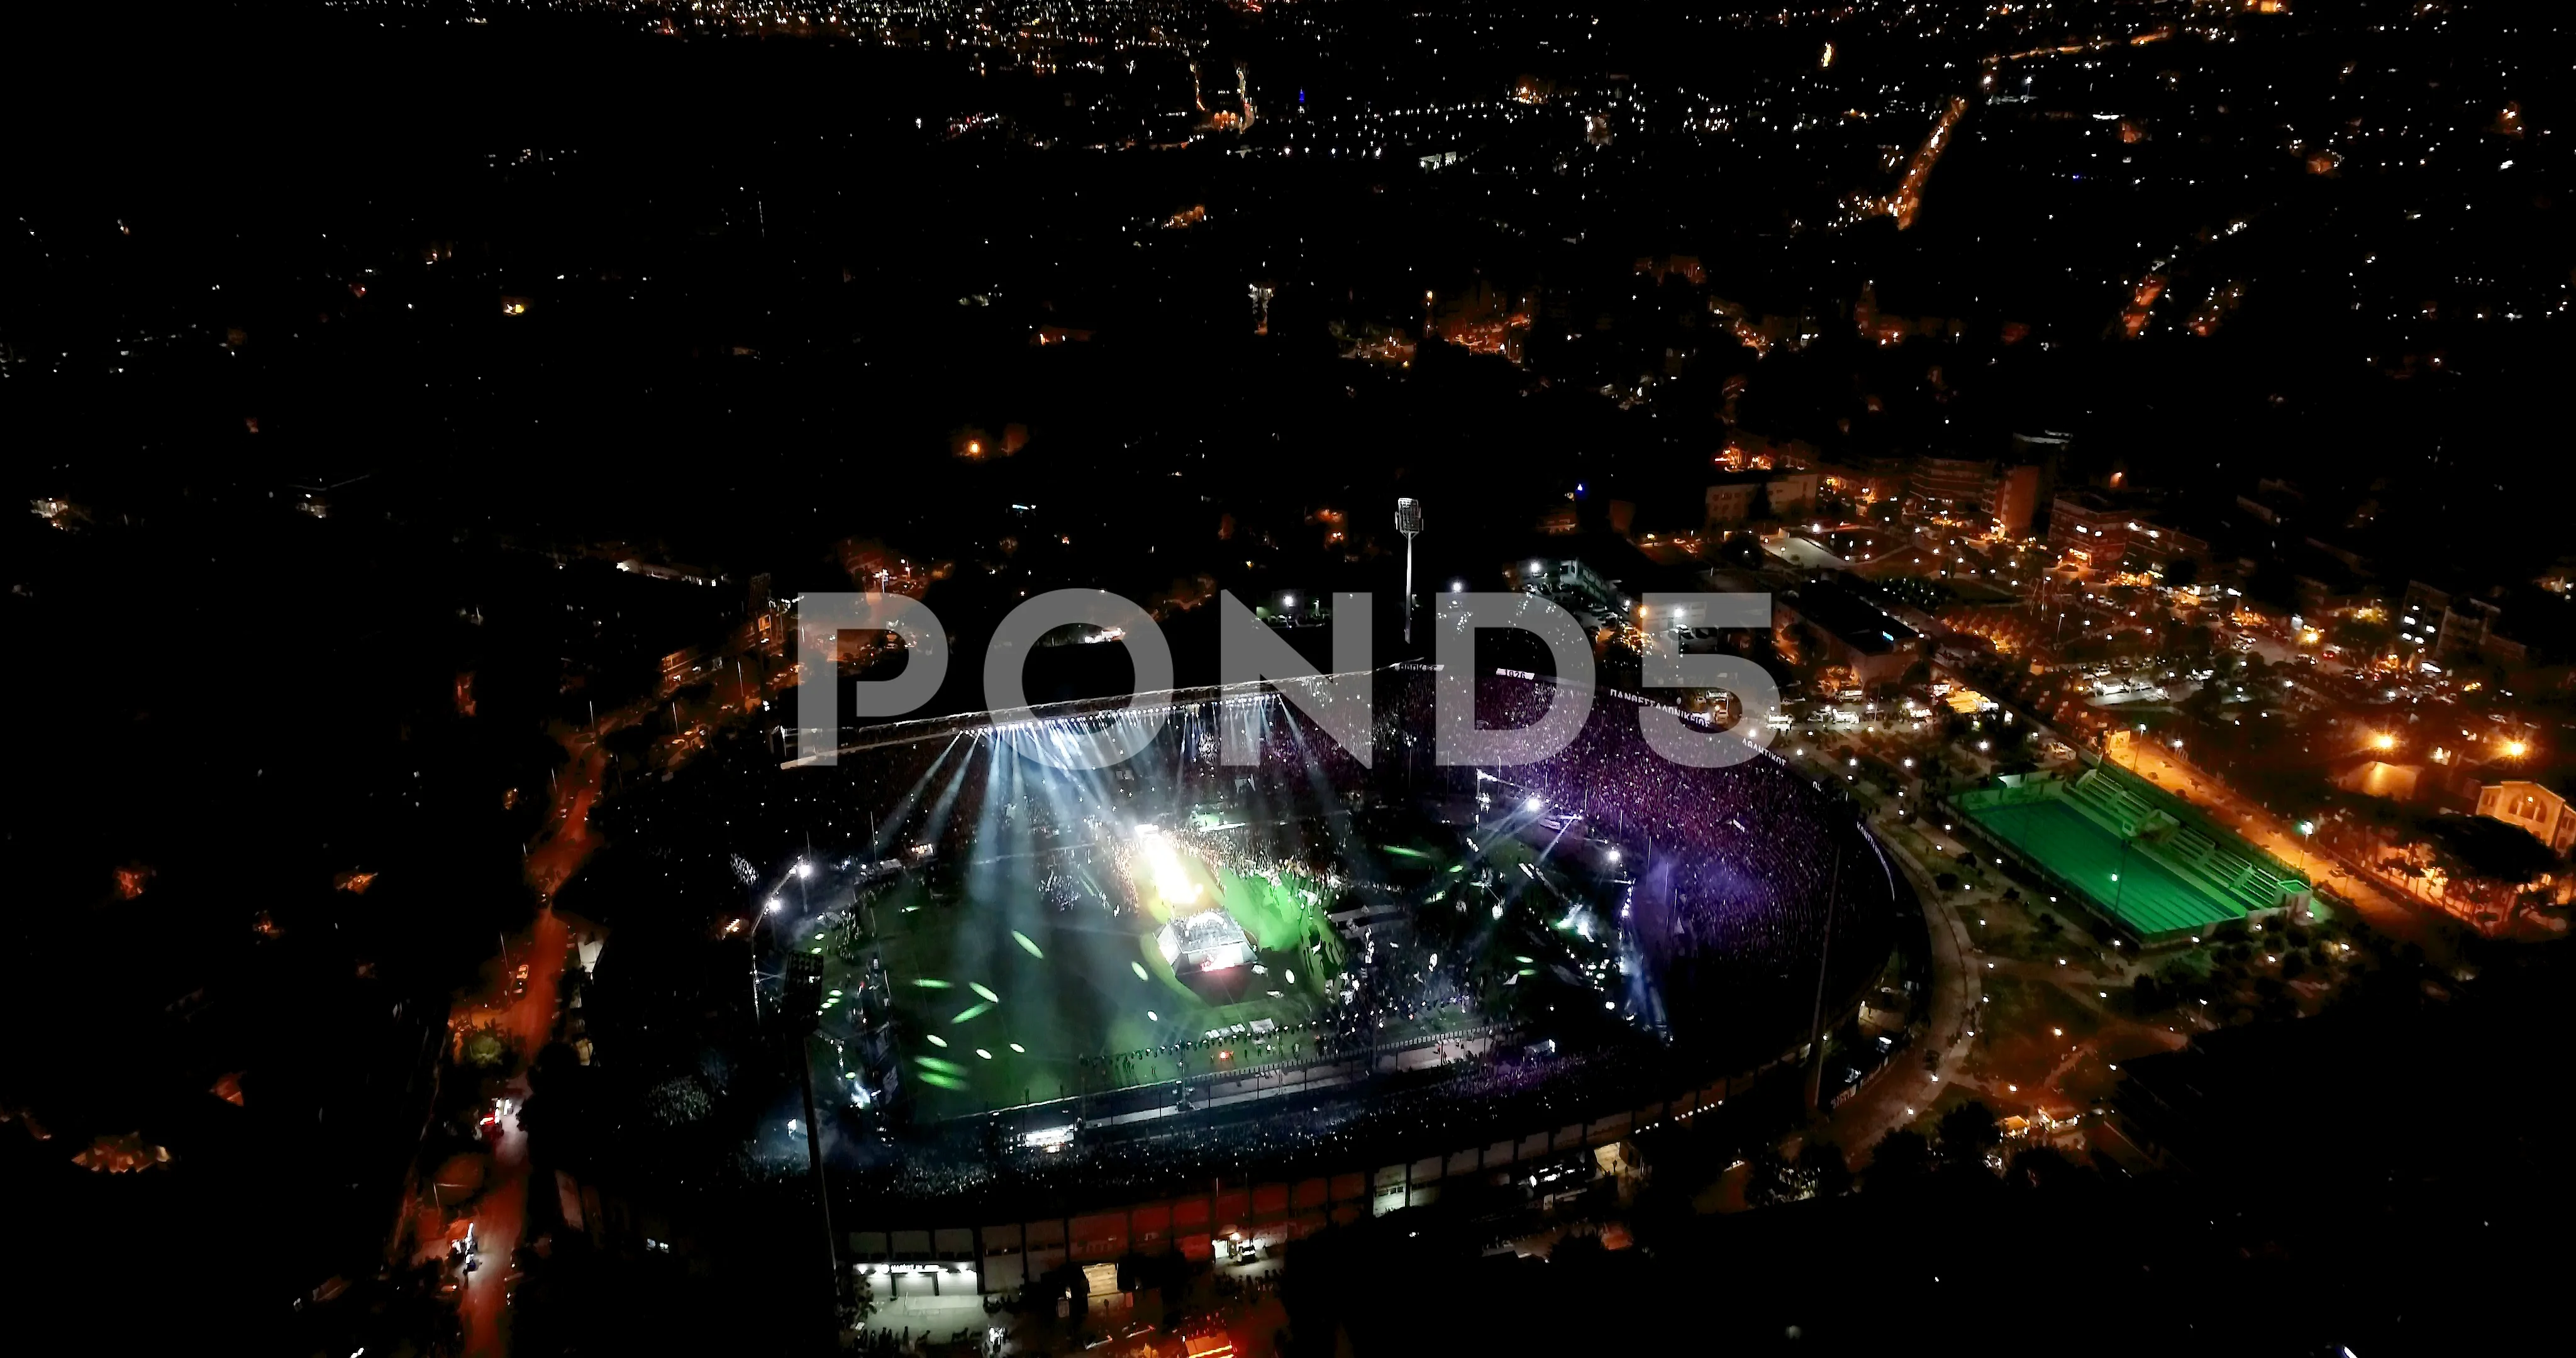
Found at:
(1408, 521)
(1532, 805)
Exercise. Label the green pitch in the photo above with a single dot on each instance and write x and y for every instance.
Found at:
(2096, 840)
(998, 995)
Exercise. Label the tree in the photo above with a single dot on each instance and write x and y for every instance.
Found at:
(487, 1047)
(2483, 847)
(1901, 1156)
(1968, 1132)
(2040, 1167)
(1825, 1168)
(1766, 1179)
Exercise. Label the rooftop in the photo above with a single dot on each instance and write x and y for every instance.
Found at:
(1852, 620)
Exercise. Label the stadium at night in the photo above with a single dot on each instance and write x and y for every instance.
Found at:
(1028, 965)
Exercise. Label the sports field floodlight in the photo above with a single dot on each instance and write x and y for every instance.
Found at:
(1408, 521)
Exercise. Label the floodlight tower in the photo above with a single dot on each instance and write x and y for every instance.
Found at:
(1408, 521)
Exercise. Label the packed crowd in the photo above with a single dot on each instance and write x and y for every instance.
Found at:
(1745, 868)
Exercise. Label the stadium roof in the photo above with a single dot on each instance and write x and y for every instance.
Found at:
(1856, 622)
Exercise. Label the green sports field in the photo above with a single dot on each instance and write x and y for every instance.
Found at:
(2094, 839)
(997, 1000)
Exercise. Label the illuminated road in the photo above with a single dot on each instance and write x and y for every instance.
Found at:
(503, 1213)
(1891, 1101)
(2386, 913)
(529, 1019)
(568, 841)
(1908, 199)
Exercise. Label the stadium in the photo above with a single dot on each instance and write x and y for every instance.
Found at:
(1026, 963)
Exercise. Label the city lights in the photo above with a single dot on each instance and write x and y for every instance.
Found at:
(815, 548)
